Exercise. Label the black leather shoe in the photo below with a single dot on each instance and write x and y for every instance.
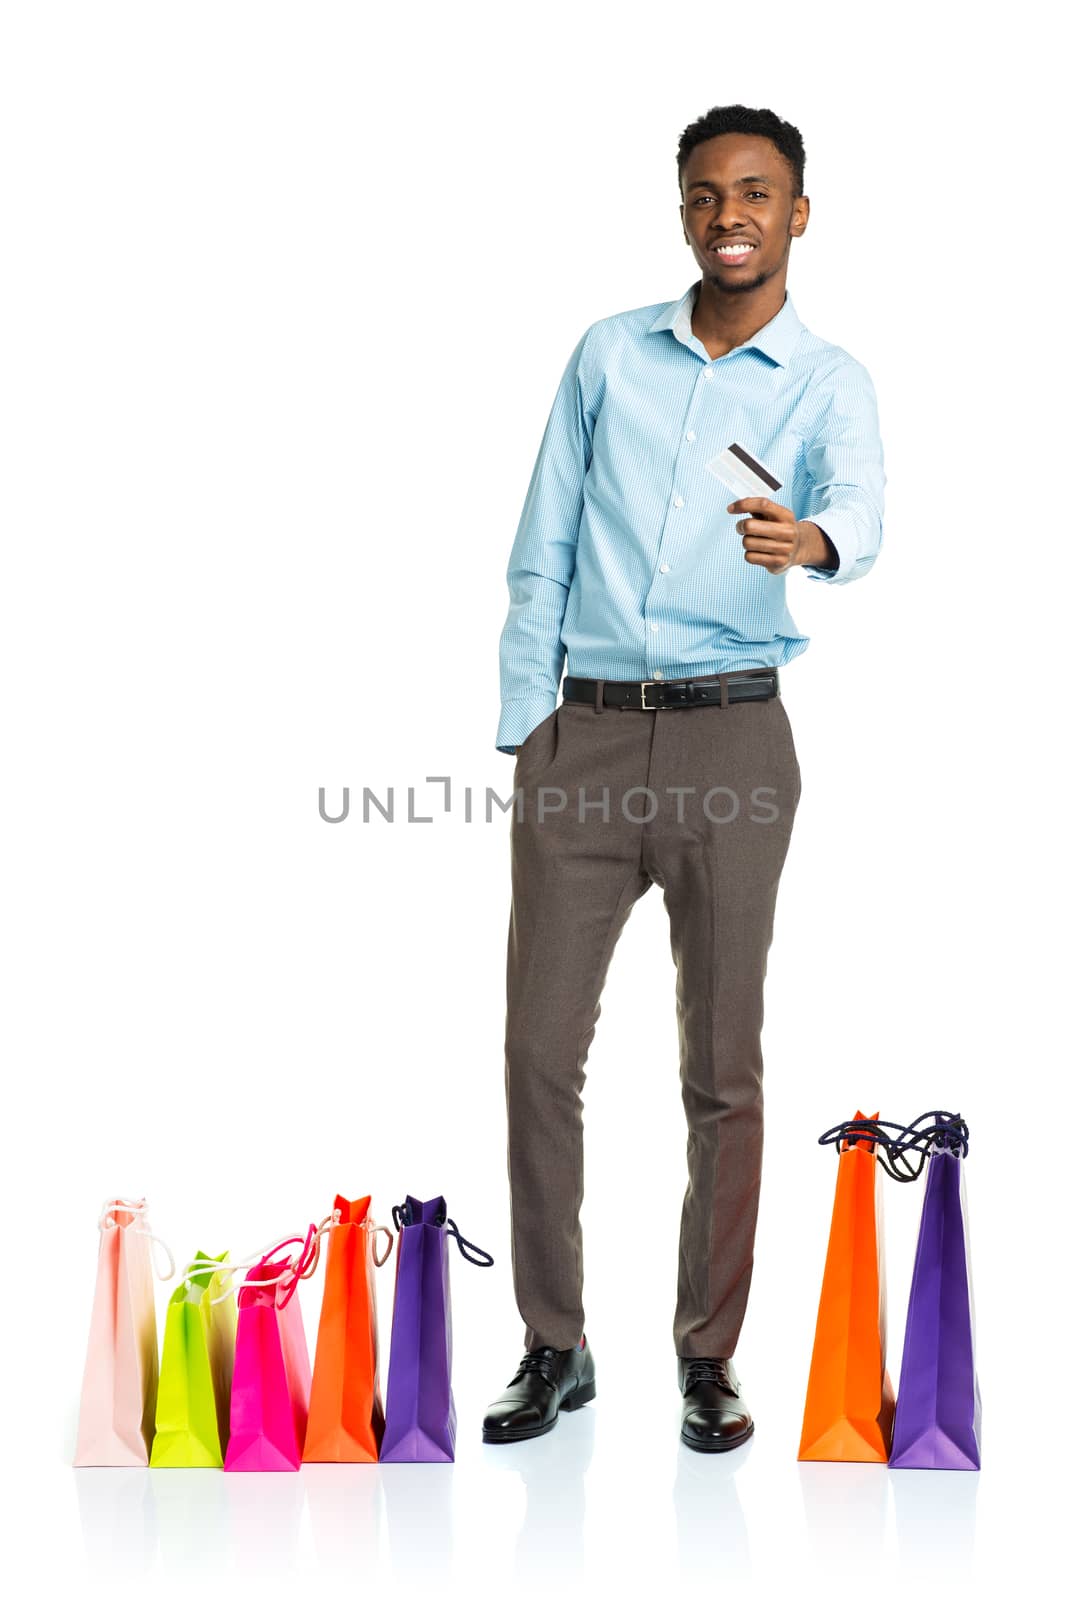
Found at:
(547, 1382)
(714, 1416)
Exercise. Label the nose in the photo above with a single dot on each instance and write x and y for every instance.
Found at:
(730, 216)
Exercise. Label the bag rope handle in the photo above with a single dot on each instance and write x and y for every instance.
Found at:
(403, 1218)
(465, 1247)
(369, 1225)
(946, 1130)
(850, 1133)
(201, 1265)
(296, 1268)
(135, 1208)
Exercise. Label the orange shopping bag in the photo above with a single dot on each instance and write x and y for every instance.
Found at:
(346, 1414)
(849, 1398)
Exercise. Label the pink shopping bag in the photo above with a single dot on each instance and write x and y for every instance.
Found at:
(270, 1389)
(121, 1372)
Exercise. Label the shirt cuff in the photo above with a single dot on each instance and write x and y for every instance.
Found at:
(518, 720)
(838, 527)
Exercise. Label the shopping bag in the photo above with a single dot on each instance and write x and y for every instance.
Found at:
(192, 1416)
(849, 1396)
(346, 1415)
(270, 1386)
(121, 1371)
(938, 1407)
(421, 1420)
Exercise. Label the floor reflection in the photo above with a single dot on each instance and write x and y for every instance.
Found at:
(935, 1518)
(344, 1504)
(845, 1505)
(520, 1511)
(264, 1511)
(418, 1498)
(550, 1546)
(711, 1525)
(191, 1519)
(117, 1516)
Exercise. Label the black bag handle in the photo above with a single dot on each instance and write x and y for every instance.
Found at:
(403, 1217)
(465, 1247)
(946, 1130)
(898, 1164)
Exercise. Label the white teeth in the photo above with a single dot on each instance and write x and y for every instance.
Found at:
(732, 249)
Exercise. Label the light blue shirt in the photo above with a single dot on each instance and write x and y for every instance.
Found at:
(626, 561)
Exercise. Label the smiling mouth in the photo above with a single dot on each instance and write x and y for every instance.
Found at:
(733, 253)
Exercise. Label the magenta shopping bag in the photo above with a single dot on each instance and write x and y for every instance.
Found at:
(121, 1371)
(421, 1421)
(937, 1423)
(270, 1388)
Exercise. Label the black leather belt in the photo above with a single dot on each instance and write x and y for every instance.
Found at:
(668, 694)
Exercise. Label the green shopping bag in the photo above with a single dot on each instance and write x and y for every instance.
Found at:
(194, 1406)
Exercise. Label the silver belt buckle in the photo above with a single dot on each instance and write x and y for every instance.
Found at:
(649, 683)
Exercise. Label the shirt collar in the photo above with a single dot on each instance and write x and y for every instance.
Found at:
(777, 339)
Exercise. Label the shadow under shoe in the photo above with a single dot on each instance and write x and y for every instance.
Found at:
(714, 1416)
(548, 1381)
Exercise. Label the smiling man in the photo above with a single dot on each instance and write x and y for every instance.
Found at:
(668, 600)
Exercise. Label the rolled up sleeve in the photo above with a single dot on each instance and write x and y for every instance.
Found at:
(846, 472)
(542, 562)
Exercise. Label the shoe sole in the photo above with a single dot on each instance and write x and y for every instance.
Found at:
(577, 1398)
(710, 1446)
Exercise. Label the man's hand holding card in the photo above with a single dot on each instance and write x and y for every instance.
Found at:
(771, 538)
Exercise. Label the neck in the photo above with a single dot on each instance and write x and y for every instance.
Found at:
(724, 318)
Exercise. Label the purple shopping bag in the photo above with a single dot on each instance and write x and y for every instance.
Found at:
(421, 1421)
(937, 1423)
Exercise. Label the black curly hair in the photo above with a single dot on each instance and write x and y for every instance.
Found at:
(745, 119)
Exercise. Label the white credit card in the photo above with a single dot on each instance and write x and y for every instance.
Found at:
(743, 473)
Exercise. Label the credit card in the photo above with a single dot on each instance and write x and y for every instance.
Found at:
(743, 473)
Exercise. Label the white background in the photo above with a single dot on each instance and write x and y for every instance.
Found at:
(288, 292)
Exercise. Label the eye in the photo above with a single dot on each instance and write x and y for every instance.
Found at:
(759, 193)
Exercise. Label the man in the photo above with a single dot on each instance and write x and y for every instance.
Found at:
(668, 600)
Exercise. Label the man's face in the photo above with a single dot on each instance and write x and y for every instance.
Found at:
(737, 191)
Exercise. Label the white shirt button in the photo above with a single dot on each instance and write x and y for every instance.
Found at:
(708, 373)
(665, 567)
(657, 674)
(654, 627)
(690, 434)
(678, 501)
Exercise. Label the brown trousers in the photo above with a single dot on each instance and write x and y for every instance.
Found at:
(717, 852)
